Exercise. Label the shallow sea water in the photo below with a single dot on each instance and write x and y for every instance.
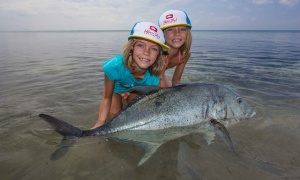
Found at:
(60, 73)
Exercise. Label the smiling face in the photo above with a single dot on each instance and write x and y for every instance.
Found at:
(175, 36)
(144, 54)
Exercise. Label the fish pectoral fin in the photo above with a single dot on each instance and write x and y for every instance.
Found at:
(222, 132)
(209, 137)
(150, 149)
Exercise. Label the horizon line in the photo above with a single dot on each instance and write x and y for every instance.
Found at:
(130, 30)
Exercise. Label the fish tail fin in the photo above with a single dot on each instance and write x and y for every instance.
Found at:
(62, 127)
(63, 147)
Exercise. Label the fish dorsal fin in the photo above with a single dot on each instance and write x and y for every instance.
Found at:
(179, 85)
(146, 90)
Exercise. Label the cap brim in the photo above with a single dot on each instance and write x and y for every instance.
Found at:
(162, 45)
(172, 25)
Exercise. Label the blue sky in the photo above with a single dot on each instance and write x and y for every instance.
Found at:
(23, 15)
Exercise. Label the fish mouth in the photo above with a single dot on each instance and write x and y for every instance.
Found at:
(246, 117)
(252, 114)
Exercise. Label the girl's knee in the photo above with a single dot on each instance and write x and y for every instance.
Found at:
(115, 110)
(111, 115)
(132, 96)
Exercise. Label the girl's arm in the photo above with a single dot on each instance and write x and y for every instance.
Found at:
(179, 71)
(164, 82)
(105, 103)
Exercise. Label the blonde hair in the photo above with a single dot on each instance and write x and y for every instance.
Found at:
(185, 48)
(156, 68)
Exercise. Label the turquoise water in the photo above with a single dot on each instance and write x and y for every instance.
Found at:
(60, 73)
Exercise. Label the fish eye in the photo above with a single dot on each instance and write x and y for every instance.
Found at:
(239, 100)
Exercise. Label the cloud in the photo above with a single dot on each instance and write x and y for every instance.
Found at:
(284, 2)
(253, 19)
(259, 2)
(226, 20)
(78, 14)
(121, 15)
(289, 2)
(231, 6)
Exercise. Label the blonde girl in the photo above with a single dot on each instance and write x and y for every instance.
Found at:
(140, 64)
(176, 26)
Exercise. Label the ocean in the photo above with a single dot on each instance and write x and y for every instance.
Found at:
(60, 73)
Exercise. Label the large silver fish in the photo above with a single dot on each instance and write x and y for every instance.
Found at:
(160, 115)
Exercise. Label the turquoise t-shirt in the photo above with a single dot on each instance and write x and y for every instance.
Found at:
(116, 71)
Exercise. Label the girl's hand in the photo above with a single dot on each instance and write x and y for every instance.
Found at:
(98, 124)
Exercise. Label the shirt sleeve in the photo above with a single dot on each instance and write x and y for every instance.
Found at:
(155, 81)
(111, 68)
(152, 80)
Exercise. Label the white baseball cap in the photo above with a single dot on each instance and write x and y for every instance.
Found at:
(149, 31)
(174, 18)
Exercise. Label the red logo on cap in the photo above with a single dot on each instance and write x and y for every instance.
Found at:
(152, 31)
(153, 28)
(169, 16)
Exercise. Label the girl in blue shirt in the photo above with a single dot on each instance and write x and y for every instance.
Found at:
(140, 64)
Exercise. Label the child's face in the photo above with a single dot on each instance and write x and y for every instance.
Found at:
(175, 36)
(145, 53)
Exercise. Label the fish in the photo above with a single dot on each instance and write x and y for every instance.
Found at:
(159, 115)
